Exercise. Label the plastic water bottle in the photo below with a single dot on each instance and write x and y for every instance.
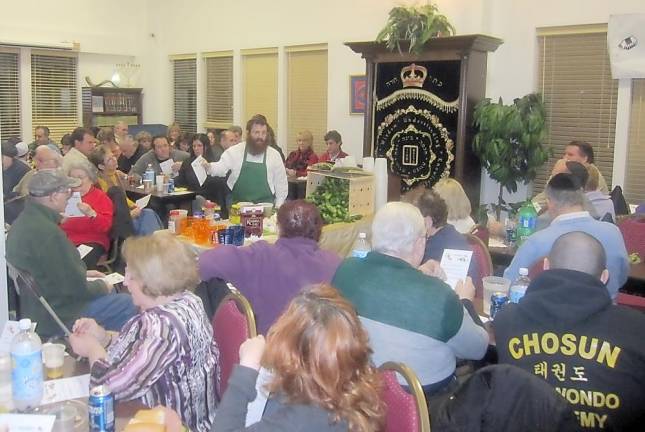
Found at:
(519, 286)
(361, 246)
(527, 222)
(27, 371)
(149, 174)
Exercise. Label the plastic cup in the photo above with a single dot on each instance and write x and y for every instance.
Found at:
(159, 183)
(493, 284)
(54, 357)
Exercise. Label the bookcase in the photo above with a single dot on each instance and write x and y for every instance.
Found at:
(104, 106)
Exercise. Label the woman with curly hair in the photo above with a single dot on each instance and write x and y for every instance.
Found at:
(322, 377)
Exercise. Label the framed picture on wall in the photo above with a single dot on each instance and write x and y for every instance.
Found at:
(357, 94)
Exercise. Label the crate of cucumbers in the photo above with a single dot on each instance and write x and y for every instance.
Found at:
(341, 194)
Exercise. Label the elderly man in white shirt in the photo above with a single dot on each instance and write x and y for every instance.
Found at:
(257, 171)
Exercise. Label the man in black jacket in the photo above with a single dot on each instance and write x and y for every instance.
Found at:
(567, 331)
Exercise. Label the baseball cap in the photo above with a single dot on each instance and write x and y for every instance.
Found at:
(46, 182)
(22, 148)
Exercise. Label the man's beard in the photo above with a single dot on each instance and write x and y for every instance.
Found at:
(256, 146)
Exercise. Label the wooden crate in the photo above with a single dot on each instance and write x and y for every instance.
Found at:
(361, 189)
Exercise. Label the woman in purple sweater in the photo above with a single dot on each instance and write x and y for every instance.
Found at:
(270, 275)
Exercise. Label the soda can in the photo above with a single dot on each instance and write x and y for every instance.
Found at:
(497, 301)
(171, 185)
(101, 409)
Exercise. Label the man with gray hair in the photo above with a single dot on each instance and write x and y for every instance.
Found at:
(566, 330)
(44, 158)
(131, 151)
(411, 317)
(37, 245)
(565, 202)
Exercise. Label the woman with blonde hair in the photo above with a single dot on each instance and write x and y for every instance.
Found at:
(322, 378)
(174, 134)
(165, 355)
(299, 159)
(458, 204)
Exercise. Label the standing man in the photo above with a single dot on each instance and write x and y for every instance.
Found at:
(120, 132)
(257, 172)
(131, 151)
(83, 143)
(41, 133)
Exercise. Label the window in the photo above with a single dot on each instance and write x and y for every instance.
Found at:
(260, 84)
(307, 94)
(635, 176)
(54, 91)
(219, 89)
(579, 93)
(185, 92)
(9, 95)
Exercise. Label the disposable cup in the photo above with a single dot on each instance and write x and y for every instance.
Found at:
(54, 357)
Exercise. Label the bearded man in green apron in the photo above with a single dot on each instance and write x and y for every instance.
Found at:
(257, 173)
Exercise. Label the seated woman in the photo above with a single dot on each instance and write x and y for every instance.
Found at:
(145, 221)
(184, 142)
(174, 135)
(269, 275)
(458, 204)
(323, 379)
(298, 160)
(441, 235)
(213, 188)
(93, 228)
(166, 354)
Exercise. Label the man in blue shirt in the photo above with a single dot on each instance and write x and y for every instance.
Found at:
(565, 202)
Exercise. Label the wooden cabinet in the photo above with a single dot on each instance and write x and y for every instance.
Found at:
(104, 106)
(420, 106)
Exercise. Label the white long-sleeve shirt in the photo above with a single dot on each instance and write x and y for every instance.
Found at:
(231, 160)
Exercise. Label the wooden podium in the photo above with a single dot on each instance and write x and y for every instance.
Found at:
(465, 57)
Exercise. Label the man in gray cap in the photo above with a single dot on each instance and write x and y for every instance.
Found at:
(38, 246)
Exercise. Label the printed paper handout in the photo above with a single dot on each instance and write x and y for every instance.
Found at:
(27, 422)
(200, 172)
(66, 389)
(72, 209)
(143, 202)
(83, 250)
(455, 264)
(166, 166)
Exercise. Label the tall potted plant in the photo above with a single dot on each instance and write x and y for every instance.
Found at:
(414, 25)
(510, 141)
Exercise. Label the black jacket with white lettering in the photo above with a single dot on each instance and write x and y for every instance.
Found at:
(566, 330)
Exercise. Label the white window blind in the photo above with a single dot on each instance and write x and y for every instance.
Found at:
(260, 84)
(635, 176)
(579, 94)
(307, 95)
(219, 90)
(54, 91)
(185, 94)
(9, 96)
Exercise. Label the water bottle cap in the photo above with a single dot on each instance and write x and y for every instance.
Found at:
(362, 235)
(524, 271)
(24, 324)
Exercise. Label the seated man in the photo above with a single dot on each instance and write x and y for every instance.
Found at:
(411, 317)
(44, 158)
(566, 330)
(161, 152)
(602, 203)
(565, 201)
(441, 234)
(37, 245)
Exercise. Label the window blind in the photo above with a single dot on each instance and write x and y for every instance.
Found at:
(9, 96)
(579, 94)
(260, 84)
(54, 91)
(185, 93)
(635, 178)
(219, 91)
(307, 96)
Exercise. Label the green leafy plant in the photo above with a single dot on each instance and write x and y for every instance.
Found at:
(510, 141)
(415, 25)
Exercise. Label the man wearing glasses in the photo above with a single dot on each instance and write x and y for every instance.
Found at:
(38, 246)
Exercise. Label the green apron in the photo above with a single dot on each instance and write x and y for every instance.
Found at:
(252, 184)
